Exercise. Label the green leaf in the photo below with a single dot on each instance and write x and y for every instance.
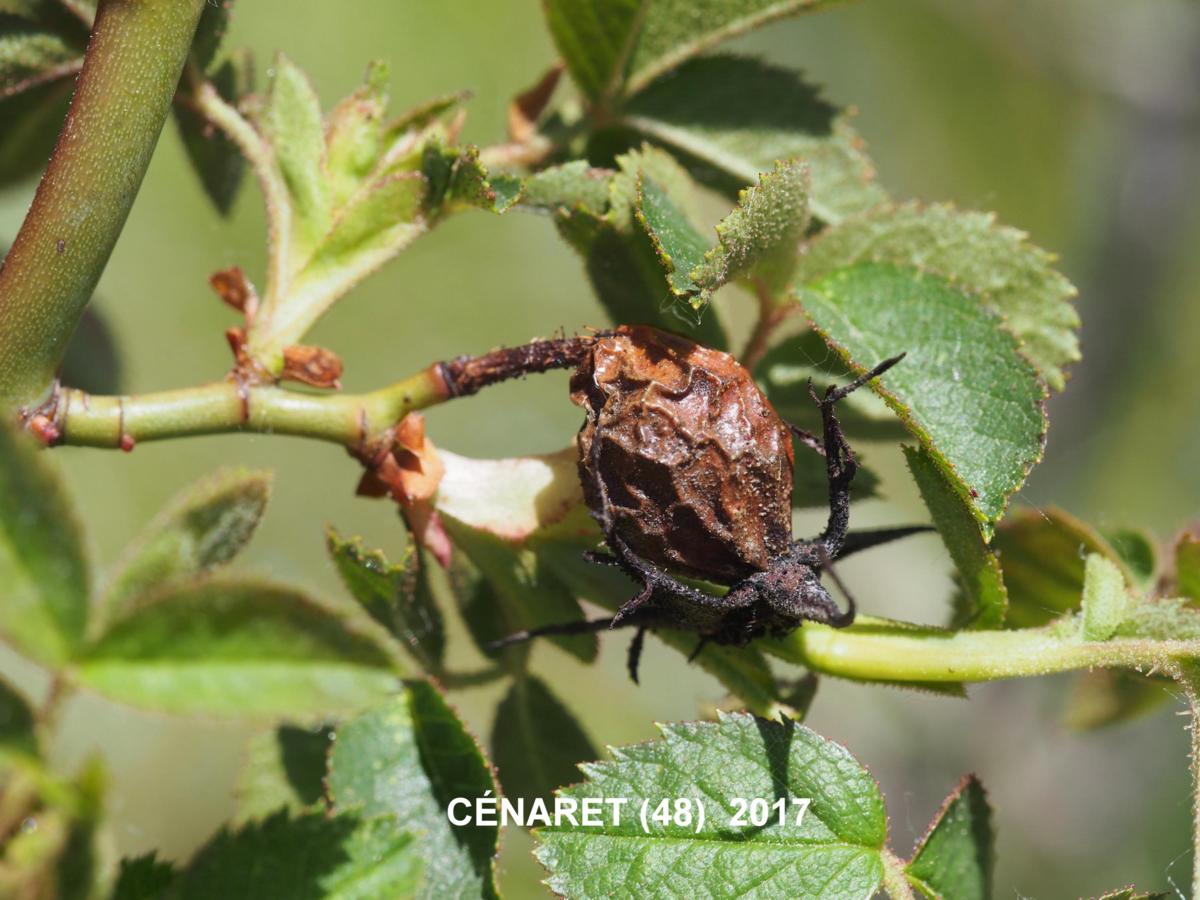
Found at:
(526, 592)
(285, 769)
(227, 647)
(595, 210)
(536, 742)
(964, 390)
(572, 185)
(143, 878)
(291, 122)
(1168, 619)
(29, 54)
(398, 597)
(994, 262)
(729, 118)
(409, 758)
(211, 30)
(673, 30)
(376, 222)
(1137, 550)
(472, 185)
(762, 235)
(833, 852)
(1187, 565)
(309, 856)
(29, 125)
(957, 857)
(203, 527)
(354, 135)
(42, 566)
(785, 371)
(214, 156)
(607, 44)
(1106, 600)
(1041, 554)
(978, 568)
(592, 38)
(16, 723)
(1110, 696)
(680, 249)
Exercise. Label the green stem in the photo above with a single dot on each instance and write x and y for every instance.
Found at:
(130, 73)
(894, 880)
(349, 419)
(877, 650)
(258, 153)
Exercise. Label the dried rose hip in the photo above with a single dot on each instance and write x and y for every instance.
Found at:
(696, 465)
(688, 470)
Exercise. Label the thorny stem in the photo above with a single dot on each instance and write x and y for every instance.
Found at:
(129, 76)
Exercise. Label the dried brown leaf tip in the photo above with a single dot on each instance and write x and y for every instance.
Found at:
(314, 366)
(527, 107)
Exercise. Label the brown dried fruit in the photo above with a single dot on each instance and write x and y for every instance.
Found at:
(696, 463)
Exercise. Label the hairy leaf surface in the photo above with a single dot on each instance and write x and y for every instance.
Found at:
(231, 647)
(409, 758)
(834, 852)
(964, 389)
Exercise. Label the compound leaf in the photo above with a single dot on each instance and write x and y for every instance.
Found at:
(956, 857)
(42, 565)
(398, 597)
(994, 262)
(203, 527)
(729, 118)
(409, 758)
(536, 741)
(979, 573)
(964, 389)
(229, 647)
(307, 856)
(834, 851)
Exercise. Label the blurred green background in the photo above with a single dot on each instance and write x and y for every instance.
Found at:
(1076, 121)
